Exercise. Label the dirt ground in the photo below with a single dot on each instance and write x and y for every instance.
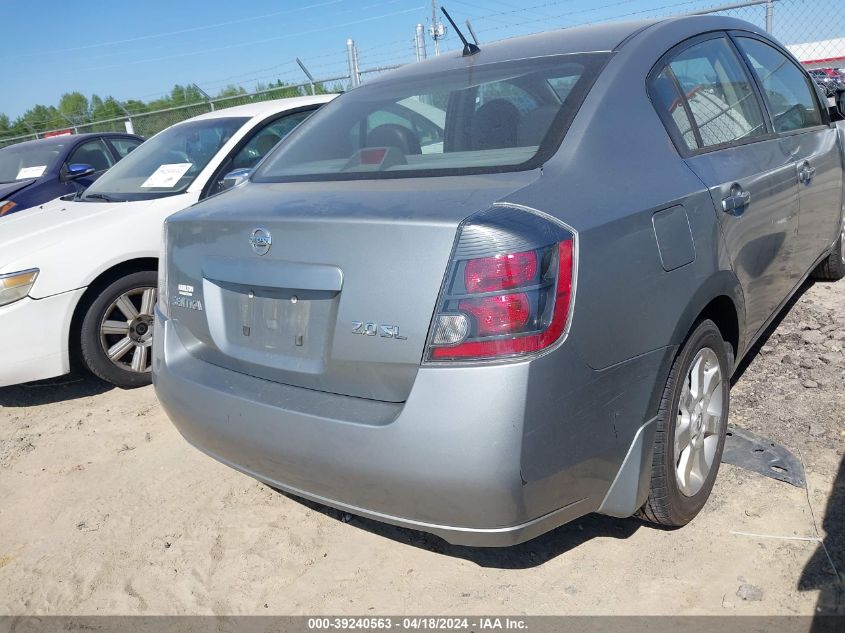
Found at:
(105, 509)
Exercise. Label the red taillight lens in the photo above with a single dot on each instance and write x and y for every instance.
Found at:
(510, 324)
(502, 314)
(502, 272)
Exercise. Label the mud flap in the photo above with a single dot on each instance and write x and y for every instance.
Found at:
(629, 489)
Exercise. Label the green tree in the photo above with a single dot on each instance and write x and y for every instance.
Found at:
(231, 91)
(74, 106)
(107, 108)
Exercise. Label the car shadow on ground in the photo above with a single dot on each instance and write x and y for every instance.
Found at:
(70, 387)
(825, 571)
(524, 556)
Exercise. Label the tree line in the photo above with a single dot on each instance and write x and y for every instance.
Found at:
(75, 109)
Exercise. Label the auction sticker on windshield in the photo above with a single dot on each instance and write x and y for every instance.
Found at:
(167, 175)
(31, 172)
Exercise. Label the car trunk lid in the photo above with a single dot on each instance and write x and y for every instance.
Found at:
(342, 297)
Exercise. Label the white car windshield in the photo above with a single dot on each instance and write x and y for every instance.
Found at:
(167, 164)
(496, 117)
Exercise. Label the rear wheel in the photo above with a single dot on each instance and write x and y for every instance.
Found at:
(117, 331)
(833, 268)
(691, 427)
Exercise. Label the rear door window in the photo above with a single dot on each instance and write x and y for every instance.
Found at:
(715, 92)
(787, 89)
(668, 100)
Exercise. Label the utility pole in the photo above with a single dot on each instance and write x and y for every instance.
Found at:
(419, 42)
(770, 16)
(437, 29)
(352, 59)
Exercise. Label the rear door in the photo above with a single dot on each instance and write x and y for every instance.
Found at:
(807, 135)
(714, 111)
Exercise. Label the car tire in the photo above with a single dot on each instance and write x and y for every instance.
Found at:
(116, 331)
(693, 410)
(833, 268)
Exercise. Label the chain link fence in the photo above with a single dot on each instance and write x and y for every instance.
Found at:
(813, 30)
(148, 123)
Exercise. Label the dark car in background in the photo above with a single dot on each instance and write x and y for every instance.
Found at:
(830, 79)
(35, 172)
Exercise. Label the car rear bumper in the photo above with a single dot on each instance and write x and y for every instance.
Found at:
(34, 337)
(466, 457)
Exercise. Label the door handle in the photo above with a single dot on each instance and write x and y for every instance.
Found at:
(806, 173)
(736, 202)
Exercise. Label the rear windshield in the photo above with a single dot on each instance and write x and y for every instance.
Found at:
(494, 117)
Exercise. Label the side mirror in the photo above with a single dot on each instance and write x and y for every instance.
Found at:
(840, 103)
(234, 178)
(78, 170)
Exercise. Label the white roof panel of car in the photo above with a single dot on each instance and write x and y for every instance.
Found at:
(263, 108)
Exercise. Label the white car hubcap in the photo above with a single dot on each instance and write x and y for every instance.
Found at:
(126, 331)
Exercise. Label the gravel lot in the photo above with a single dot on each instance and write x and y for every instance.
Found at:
(106, 509)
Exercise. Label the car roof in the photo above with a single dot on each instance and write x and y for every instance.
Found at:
(71, 138)
(265, 108)
(593, 38)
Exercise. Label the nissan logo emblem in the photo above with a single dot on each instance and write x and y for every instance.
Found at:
(261, 241)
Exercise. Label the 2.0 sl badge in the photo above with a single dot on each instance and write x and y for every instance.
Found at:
(371, 329)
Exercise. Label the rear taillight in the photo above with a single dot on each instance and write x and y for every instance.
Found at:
(508, 289)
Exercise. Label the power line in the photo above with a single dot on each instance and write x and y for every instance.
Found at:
(251, 42)
(179, 32)
(315, 18)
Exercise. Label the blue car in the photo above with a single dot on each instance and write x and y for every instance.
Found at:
(35, 172)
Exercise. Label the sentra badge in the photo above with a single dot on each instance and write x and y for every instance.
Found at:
(186, 302)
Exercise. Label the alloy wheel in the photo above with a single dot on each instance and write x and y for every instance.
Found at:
(699, 421)
(126, 330)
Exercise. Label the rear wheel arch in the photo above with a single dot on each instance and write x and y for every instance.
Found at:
(97, 284)
(721, 300)
(722, 311)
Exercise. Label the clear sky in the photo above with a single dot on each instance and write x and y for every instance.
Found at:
(140, 49)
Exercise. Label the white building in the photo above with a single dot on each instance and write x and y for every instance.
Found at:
(821, 54)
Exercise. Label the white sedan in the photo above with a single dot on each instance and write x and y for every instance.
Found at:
(78, 276)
